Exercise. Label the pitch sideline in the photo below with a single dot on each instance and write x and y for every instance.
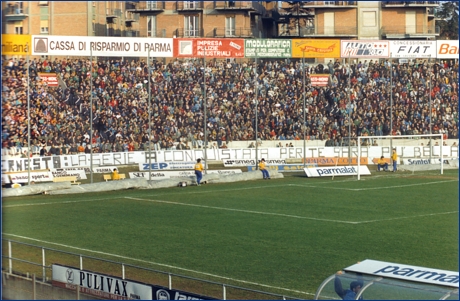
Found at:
(159, 264)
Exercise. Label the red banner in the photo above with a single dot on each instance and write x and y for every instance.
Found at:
(212, 48)
(49, 78)
(319, 80)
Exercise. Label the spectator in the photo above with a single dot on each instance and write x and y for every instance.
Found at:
(120, 99)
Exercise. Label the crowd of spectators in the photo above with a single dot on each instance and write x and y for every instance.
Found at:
(358, 98)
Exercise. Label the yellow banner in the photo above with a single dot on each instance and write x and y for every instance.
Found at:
(16, 44)
(315, 48)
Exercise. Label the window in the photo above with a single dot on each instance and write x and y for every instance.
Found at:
(369, 19)
(284, 30)
(190, 4)
(151, 26)
(191, 26)
(229, 26)
(18, 29)
(329, 26)
(44, 3)
(152, 4)
(19, 7)
(44, 26)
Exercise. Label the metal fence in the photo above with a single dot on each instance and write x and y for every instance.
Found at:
(26, 259)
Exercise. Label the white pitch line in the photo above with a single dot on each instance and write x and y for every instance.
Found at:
(374, 188)
(407, 185)
(159, 264)
(245, 211)
(55, 203)
(314, 186)
(223, 190)
(405, 217)
(292, 216)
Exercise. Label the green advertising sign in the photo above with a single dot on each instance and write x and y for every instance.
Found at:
(269, 48)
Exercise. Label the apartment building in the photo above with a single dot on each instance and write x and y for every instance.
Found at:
(72, 18)
(360, 19)
(218, 19)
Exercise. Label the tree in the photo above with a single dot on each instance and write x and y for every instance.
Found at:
(448, 13)
(293, 14)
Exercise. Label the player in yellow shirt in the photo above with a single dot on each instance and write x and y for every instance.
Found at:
(115, 175)
(394, 157)
(198, 171)
(263, 169)
(381, 163)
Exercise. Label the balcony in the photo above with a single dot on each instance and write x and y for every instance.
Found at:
(183, 6)
(432, 12)
(146, 7)
(239, 32)
(330, 4)
(188, 33)
(400, 32)
(159, 33)
(111, 14)
(410, 3)
(16, 12)
(239, 5)
(271, 14)
(325, 31)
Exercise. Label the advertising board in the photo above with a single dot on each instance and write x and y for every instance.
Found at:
(60, 172)
(162, 293)
(100, 285)
(270, 48)
(412, 49)
(336, 171)
(101, 46)
(168, 165)
(365, 49)
(211, 48)
(331, 161)
(284, 168)
(243, 162)
(447, 49)
(162, 174)
(426, 161)
(16, 44)
(23, 177)
(406, 272)
(315, 48)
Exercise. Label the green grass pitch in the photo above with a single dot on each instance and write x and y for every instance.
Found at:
(282, 236)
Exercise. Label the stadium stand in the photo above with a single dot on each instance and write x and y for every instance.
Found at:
(60, 116)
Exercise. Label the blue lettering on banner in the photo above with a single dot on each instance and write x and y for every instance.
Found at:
(155, 166)
(426, 161)
(408, 272)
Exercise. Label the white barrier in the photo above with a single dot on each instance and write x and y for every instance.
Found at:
(105, 160)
